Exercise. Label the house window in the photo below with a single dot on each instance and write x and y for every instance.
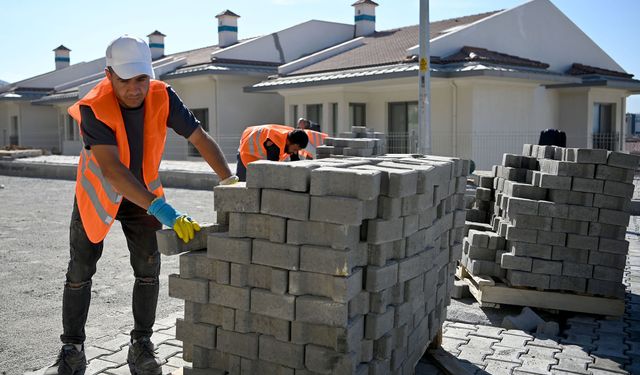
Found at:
(357, 114)
(603, 127)
(314, 113)
(13, 138)
(71, 129)
(334, 119)
(403, 127)
(294, 115)
(202, 114)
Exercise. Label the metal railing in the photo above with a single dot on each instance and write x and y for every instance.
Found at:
(607, 141)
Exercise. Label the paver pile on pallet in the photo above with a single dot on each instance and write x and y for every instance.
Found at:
(563, 213)
(360, 141)
(337, 266)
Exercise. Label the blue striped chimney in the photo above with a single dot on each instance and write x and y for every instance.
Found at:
(227, 28)
(156, 44)
(365, 17)
(62, 57)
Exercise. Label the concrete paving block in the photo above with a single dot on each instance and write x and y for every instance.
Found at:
(381, 278)
(410, 225)
(293, 176)
(228, 318)
(284, 203)
(200, 334)
(547, 267)
(229, 296)
(271, 304)
(587, 155)
(416, 203)
(521, 235)
(222, 247)
(359, 305)
(575, 255)
(329, 261)
(380, 231)
(478, 238)
(598, 258)
(389, 208)
(320, 310)
(551, 209)
(195, 290)
(618, 189)
(512, 262)
(577, 241)
(531, 222)
(613, 246)
(339, 289)
(380, 253)
(279, 281)
(236, 198)
(623, 160)
(222, 271)
(583, 213)
(377, 325)
(518, 278)
(614, 217)
(616, 232)
(353, 183)
(413, 266)
(605, 288)
(239, 275)
(566, 168)
(558, 196)
(611, 202)
(195, 264)
(552, 238)
(579, 270)
(587, 185)
(170, 244)
(395, 182)
(521, 190)
(526, 249)
(485, 267)
(511, 160)
(283, 353)
(608, 273)
(550, 181)
(605, 172)
(526, 149)
(260, 226)
(276, 255)
(337, 236)
(580, 199)
(340, 339)
(241, 344)
(570, 226)
(337, 210)
(481, 253)
(248, 322)
(325, 361)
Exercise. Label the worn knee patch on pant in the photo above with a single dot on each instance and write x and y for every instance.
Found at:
(147, 280)
(77, 286)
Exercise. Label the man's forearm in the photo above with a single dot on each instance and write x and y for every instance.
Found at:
(126, 184)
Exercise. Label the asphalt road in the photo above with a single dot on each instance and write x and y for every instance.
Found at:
(34, 251)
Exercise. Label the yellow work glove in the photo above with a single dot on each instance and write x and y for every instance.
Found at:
(186, 227)
(230, 180)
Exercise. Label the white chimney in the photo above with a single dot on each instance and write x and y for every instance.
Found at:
(365, 17)
(156, 44)
(227, 28)
(62, 57)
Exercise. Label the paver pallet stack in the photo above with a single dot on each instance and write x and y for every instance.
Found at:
(360, 141)
(336, 266)
(562, 214)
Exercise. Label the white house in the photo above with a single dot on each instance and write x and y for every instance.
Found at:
(498, 79)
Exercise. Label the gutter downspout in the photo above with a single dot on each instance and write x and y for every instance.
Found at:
(454, 117)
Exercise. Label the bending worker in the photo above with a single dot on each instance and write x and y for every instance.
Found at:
(123, 121)
(268, 142)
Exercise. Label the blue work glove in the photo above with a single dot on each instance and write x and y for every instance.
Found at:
(183, 225)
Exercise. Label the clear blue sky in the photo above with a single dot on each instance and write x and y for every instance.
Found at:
(31, 29)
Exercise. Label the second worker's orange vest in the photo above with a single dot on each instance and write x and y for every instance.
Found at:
(252, 148)
(98, 201)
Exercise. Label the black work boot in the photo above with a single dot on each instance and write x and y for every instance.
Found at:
(142, 358)
(71, 361)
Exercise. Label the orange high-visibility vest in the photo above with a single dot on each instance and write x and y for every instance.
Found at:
(315, 139)
(98, 201)
(252, 142)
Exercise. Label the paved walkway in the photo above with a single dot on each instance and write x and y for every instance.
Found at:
(586, 344)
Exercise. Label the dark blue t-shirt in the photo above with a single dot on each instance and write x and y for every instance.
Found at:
(95, 132)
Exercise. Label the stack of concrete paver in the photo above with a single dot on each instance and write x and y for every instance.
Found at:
(564, 213)
(338, 266)
(480, 209)
(360, 141)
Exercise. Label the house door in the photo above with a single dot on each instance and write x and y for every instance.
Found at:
(402, 134)
(13, 138)
(603, 129)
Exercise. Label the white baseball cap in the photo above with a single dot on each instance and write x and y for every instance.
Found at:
(129, 57)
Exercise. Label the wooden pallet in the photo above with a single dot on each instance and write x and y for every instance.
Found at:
(490, 292)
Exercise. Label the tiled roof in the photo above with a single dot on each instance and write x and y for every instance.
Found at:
(580, 70)
(387, 47)
(469, 54)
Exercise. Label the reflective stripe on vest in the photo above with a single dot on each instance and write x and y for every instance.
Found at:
(95, 169)
(255, 147)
